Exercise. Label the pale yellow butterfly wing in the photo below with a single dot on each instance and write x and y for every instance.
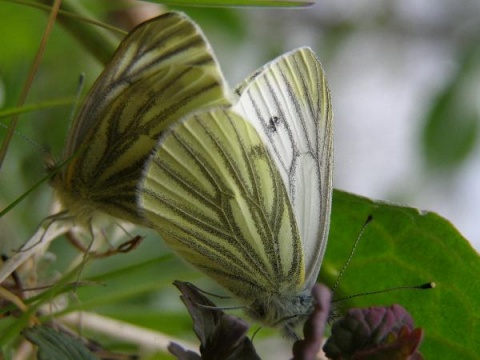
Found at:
(244, 194)
(162, 70)
(288, 102)
(214, 194)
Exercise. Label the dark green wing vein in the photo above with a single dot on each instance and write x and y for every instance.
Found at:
(163, 70)
(223, 192)
(214, 194)
(267, 232)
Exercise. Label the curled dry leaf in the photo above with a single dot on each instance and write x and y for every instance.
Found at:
(221, 336)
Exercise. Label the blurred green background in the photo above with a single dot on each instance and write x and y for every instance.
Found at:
(404, 78)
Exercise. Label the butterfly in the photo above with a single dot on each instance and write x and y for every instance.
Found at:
(243, 192)
(161, 71)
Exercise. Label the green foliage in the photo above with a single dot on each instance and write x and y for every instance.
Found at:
(453, 123)
(53, 345)
(404, 246)
(223, 3)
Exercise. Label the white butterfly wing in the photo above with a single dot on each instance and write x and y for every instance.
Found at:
(288, 102)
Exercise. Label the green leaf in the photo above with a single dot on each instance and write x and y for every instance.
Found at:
(259, 3)
(404, 246)
(452, 124)
(77, 21)
(7, 112)
(451, 130)
(129, 282)
(53, 345)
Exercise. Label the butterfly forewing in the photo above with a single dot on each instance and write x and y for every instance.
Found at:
(288, 103)
(162, 70)
(214, 194)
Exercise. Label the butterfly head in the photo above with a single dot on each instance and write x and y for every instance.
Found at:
(284, 312)
(74, 200)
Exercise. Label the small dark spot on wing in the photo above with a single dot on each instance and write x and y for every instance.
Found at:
(273, 123)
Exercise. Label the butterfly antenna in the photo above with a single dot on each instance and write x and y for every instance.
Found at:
(52, 164)
(255, 333)
(26, 138)
(425, 286)
(220, 308)
(78, 95)
(211, 294)
(344, 267)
